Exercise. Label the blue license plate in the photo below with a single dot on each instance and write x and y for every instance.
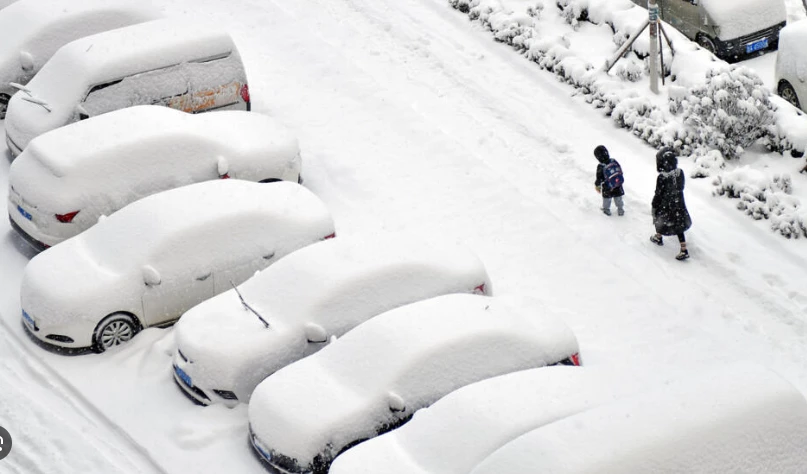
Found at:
(24, 213)
(28, 319)
(183, 376)
(756, 45)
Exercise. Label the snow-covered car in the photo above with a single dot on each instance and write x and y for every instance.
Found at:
(34, 29)
(464, 427)
(183, 65)
(67, 178)
(378, 375)
(156, 258)
(730, 419)
(224, 349)
(791, 64)
(5, 3)
(730, 29)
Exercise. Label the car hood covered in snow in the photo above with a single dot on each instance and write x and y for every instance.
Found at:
(738, 18)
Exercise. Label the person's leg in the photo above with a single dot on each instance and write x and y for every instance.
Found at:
(683, 254)
(657, 239)
(620, 207)
(606, 206)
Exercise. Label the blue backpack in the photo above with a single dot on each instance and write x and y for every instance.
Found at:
(612, 173)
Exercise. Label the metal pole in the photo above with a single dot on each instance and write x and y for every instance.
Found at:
(661, 56)
(652, 11)
(609, 64)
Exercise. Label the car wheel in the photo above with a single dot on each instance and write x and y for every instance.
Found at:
(3, 105)
(114, 330)
(787, 92)
(708, 44)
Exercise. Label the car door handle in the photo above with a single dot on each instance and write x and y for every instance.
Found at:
(204, 277)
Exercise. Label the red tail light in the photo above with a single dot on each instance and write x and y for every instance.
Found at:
(66, 218)
(225, 176)
(329, 236)
(576, 359)
(245, 93)
(480, 290)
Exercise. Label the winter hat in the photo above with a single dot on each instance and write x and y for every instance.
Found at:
(601, 153)
(666, 159)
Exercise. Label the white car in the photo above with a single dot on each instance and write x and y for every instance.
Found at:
(185, 65)
(464, 427)
(727, 419)
(69, 177)
(791, 64)
(153, 260)
(375, 377)
(224, 349)
(34, 29)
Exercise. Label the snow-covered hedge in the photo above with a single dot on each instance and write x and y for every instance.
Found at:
(713, 111)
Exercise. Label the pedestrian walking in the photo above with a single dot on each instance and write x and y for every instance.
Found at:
(608, 181)
(670, 215)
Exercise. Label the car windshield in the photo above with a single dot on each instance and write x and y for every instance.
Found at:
(54, 87)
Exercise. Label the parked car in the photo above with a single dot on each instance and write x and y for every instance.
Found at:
(729, 29)
(156, 258)
(179, 64)
(321, 291)
(375, 377)
(791, 64)
(67, 178)
(34, 29)
(728, 419)
(464, 427)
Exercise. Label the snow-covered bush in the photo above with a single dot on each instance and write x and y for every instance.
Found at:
(706, 161)
(630, 69)
(732, 109)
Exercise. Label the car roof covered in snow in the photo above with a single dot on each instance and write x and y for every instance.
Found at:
(419, 352)
(728, 419)
(128, 136)
(160, 223)
(464, 427)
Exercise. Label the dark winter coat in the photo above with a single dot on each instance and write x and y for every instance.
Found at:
(670, 215)
(600, 181)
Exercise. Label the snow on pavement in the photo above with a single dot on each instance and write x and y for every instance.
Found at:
(412, 118)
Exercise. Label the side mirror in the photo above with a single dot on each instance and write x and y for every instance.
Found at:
(396, 403)
(26, 61)
(223, 167)
(151, 277)
(315, 333)
(82, 112)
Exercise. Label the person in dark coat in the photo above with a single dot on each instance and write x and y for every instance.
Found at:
(670, 215)
(616, 193)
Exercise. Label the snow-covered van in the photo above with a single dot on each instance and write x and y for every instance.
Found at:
(730, 29)
(183, 65)
(34, 29)
(791, 64)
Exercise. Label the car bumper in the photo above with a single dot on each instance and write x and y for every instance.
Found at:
(56, 336)
(743, 46)
(271, 458)
(32, 241)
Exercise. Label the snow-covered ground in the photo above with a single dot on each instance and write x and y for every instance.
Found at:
(411, 118)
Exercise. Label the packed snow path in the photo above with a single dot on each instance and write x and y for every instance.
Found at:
(412, 119)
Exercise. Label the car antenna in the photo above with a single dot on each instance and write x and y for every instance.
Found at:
(248, 307)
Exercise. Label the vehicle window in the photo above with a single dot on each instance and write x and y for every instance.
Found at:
(152, 87)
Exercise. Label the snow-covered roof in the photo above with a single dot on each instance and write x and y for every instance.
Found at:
(733, 419)
(87, 149)
(40, 27)
(420, 352)
(738, 18)
(335, 284)
(150, 227)
(464, 427)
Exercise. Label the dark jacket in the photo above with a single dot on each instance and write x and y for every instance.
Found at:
(600, 180)
(670, 215)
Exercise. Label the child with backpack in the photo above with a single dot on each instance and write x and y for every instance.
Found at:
(608, 181)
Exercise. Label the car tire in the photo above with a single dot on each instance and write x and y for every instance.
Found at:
(787, 92)
(115, 329)
(708, 44)
(3, 105)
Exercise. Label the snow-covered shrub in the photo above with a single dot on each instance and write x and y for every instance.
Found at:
(573, 11)
(629, 69)
(732, 109)
(706, 161)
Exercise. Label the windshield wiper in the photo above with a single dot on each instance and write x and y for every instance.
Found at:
(37, 101)
(20, 87)
(247, 306)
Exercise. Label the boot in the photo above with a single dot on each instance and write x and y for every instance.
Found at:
(683, 254)
(657, 239)
(605, 211)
